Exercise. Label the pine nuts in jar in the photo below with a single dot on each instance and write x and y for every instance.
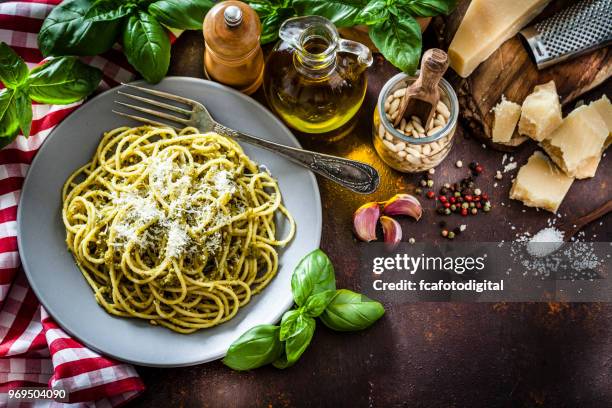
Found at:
(413, 146)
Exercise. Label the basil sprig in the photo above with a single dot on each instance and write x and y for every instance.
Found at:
(58, 81)
(392, 25)
(313, 286)
(91, 27)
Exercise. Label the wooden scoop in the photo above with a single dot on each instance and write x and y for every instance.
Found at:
(572, 228)
(423, 95)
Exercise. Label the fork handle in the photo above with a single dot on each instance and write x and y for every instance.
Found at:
(354, 175)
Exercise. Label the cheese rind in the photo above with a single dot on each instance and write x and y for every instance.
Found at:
(487, 24)
(541, 112)
(540, 183)
(507, 115)
(576, 146)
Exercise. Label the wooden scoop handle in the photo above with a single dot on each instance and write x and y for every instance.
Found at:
(433, 66)
(572, 228)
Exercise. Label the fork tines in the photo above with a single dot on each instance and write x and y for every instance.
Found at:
(184, 121)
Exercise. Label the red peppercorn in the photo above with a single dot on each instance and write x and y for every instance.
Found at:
(485, 196)
(446, 205)
(452, 200)
(479, 169)
(464, 211)
(442, 199)
(478, 205)
(468, 197)
(431, 194)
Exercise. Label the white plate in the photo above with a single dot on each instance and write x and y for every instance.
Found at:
(61, 288)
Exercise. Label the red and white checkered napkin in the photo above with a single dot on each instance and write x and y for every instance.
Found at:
(34, 351)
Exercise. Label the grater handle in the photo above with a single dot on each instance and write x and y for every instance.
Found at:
(580, 28)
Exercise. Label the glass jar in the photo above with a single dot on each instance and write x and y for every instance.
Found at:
(405, 152)
(315, 80)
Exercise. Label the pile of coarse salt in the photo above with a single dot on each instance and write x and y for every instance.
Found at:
(545, 242)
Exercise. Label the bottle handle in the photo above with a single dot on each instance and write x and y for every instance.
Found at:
(363, 53)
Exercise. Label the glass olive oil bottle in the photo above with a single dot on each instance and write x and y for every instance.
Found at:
(314, 80)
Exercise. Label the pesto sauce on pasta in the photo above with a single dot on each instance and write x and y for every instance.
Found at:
(174, 228)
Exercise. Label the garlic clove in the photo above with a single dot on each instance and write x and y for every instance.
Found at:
(392, 231)
(403, 204)
(364, 221)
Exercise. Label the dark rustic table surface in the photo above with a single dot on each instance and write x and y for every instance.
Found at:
(423, 354)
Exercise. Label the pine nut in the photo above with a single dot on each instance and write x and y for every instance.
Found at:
(394, 106)
(381, 131)
(434, 130)
(399, 93)
(443, 109)
(418, 126)
(389, 145)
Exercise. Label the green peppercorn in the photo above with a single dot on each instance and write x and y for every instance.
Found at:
(486, 208)
(472, 204)
(423, 183)
(465, 205)
(418, 191)
(430, 183)
(447, 211)
(451, 235)
(457, 194)
(453, 207)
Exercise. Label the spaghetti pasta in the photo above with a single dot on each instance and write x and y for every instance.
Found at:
(175, 228)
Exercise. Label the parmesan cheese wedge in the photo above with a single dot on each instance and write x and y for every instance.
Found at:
(487, 24)
(541, 184)
(604, 108)
(576, 146)
(541, 112)
(507, 115)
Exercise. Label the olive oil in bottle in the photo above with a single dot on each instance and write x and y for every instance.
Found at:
(314, 80)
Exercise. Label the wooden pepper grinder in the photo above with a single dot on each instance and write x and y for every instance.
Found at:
(423, 95)
(233, 54)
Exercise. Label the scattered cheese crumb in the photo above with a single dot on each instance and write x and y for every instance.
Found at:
(510, 166)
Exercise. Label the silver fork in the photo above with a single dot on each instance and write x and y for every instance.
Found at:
(354, 175)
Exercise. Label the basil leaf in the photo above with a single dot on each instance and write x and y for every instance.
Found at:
(375, 12)
(271, 23)
(350, 311)
(314, 274)
(147, 47)
(316, 304)
(13, 71)
(399, 40)
(23, 109)
(343, 13)
(66, 31)
(109, 10)
(183, 14)
(298, 343)
(63, 80)
(9, 121)
(424, 8)
(256, 347)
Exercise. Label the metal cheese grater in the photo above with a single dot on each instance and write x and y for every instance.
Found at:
(584, 26)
